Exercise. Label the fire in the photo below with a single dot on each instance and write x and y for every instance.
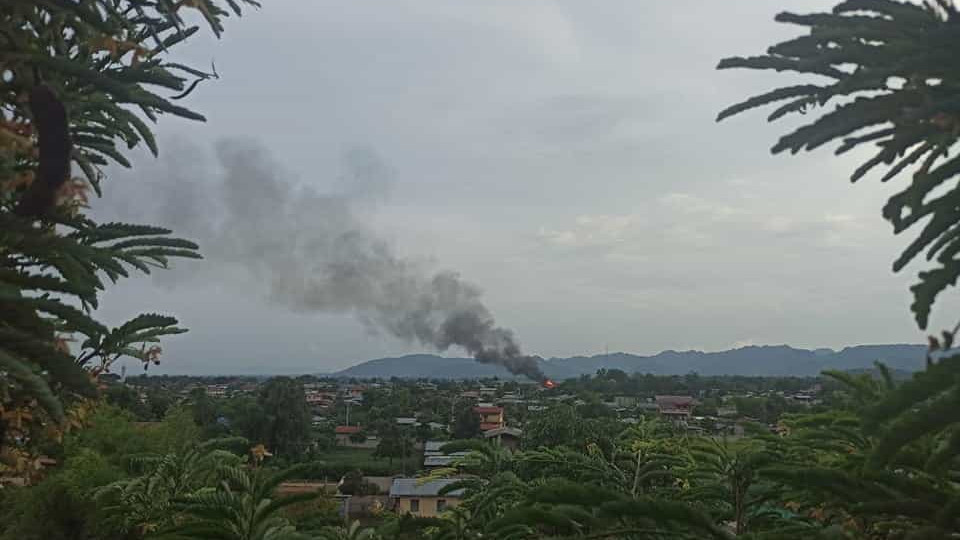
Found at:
(549, 384)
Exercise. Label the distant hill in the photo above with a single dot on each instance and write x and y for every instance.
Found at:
(753, 360)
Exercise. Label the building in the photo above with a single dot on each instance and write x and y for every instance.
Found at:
(216, 390)
(442, 460)
(342, 434)
(414, 496)
(675, 408)
(511, 399)
(316, 398)
(433, 456)
(491, 416)
(507, 437)
(354, 392)
(626, 401)
(432, 448)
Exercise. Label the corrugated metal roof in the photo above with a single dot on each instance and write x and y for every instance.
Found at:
(437, 461)
(433, 446)
(488, 410)
(506, 430)
(415, 487)
(673, 400)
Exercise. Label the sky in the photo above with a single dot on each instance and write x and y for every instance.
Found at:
(561, 157)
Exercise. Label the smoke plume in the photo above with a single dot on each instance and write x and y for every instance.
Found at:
(314, 252)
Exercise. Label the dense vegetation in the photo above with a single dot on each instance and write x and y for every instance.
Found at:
(880, 461)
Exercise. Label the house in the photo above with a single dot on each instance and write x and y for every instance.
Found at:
(216, 390)
(432, 448)
(354, 392)
(407, 421)
(726, 411)
(648, 407)
(507, 437)
(675, 408)
(423, 499)
(442, 460)
(316, 398)
(346, 435)
(342, 434)
(626, 401)
(491, 417)
(433, 456)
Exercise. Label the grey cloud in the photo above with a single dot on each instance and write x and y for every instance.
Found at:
(504, 122)
(314, 253)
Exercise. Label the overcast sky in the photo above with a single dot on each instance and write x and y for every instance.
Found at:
(561, 155)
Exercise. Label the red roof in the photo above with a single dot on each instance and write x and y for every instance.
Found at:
(488, 410)
(674, 401)
(346, 430)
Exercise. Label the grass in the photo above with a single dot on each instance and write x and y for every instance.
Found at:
(340, 460)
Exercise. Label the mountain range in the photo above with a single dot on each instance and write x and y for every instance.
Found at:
(768, 360)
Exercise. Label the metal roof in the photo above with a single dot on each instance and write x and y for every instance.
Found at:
(506, 430)
(433, 446)
(416, 487)
(442, 460)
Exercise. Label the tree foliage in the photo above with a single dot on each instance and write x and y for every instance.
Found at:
(80, 81)
(466, 424)
(244, 506)
(286, 426)
(889, 69)
(892, 75)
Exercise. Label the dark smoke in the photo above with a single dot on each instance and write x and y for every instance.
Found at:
(313, 251)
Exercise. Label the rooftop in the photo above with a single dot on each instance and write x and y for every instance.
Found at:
(416, 487)
(509, 431)
(433, 446)
(674, 401)
(488, 410)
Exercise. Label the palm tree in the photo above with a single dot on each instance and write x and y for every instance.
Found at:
(483, 458)
(886, 66)
(244, 506)
(142, 504)
(725, 477)
(352, 532)
(406, 526)
(559, 508)
(68, 111)
(457, 524)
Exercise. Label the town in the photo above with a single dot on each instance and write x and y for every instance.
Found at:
(477, 198)
(379, 439)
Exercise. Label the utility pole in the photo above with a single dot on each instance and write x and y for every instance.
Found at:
(348, 412)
